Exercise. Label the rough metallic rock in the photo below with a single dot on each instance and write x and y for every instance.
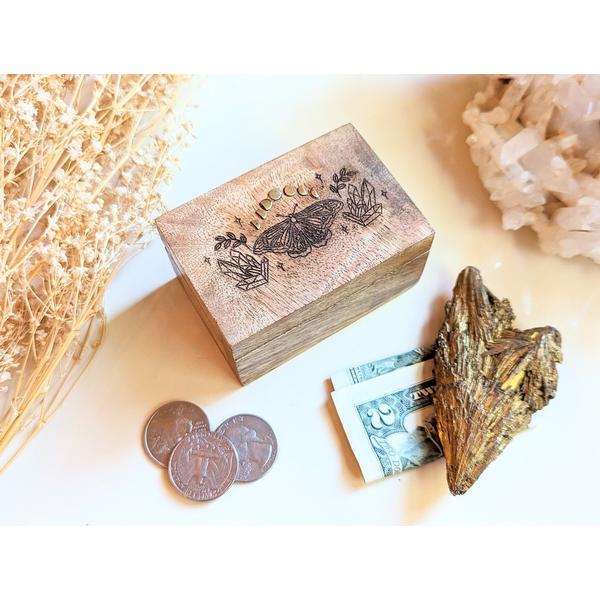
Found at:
(490, 378)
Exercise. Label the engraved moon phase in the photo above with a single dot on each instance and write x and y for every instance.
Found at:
(255, 444)
(203, 465)
(168, 425)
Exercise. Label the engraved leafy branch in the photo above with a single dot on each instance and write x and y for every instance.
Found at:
(340, 181)
(230, 239)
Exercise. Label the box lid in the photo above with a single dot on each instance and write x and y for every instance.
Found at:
(354, 217)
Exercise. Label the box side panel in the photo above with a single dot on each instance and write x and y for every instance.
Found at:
(334, 312)
(359, 286)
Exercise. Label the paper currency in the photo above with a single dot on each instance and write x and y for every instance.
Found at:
(376, 368)
(389, 420)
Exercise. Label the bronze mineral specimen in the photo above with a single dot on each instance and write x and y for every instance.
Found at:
(490, 378)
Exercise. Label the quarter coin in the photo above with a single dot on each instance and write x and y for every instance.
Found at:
(167, 427)
(255, 444)
(203, 465)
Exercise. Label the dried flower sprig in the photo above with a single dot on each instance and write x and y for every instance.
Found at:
(82, 160)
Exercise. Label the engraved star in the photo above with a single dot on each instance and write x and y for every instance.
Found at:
(318, 176)
(280, 266)
(344, 228)
(207, 260)
(384, 193)
(238, 221)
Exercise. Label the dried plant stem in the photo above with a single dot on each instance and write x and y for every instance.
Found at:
(66, 383)
(81, 163)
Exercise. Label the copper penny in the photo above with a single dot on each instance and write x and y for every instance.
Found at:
(203, 465)
(167, 427)
(254, 442)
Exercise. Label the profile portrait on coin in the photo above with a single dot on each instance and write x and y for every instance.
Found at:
(255, 444)
(168, 425)
(203, 465)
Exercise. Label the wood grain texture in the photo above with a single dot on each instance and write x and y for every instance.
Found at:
(351, 264)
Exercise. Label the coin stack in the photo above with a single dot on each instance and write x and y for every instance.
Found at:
(203, 464)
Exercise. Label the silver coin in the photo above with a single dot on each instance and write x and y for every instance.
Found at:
(167, 427)
(254, 442)
(203, 465)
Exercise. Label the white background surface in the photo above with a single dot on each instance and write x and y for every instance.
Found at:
(88, 467)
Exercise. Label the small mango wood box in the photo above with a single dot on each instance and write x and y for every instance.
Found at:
(335, 237)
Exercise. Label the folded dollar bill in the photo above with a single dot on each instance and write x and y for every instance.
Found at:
(389, 420)
(376, 368)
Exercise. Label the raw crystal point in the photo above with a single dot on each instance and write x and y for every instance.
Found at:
(490, 378)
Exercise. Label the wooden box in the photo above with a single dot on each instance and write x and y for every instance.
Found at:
(336, 236)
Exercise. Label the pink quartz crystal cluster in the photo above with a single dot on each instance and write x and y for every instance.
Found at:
(536, 142)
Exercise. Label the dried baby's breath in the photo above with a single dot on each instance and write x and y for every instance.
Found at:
(82, 161)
